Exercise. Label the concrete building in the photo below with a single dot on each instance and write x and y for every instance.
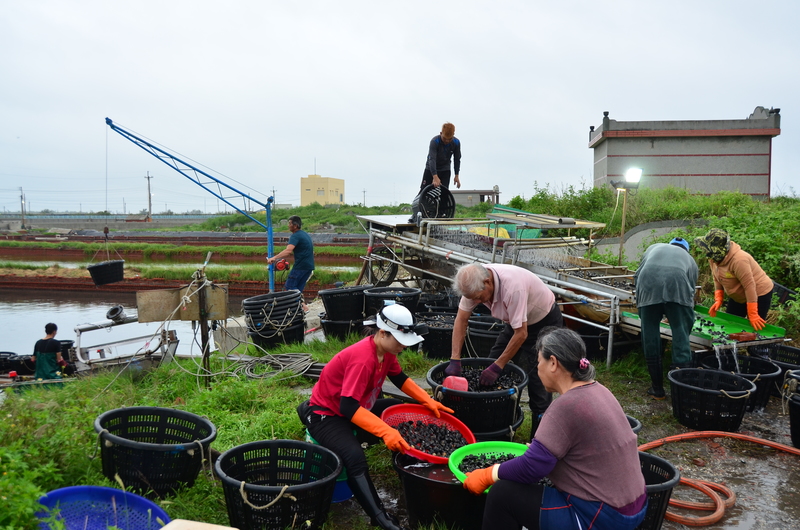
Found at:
(323, 190)
(704, 156)
(474, 197)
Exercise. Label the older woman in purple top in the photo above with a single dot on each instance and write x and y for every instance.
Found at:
(584, 445)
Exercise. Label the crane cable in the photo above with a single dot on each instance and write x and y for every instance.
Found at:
(709, 488)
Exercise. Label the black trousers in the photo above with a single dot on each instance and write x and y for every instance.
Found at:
(427, 178)
(527, 357)
(740, 310)
(336, 433)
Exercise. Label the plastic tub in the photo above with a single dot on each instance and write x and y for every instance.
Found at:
(503, 435)
(762, 372)
(345, 303)
(99, 508)
(787, 357)
(406, 296)
(635, 424)
(257, 473)
(482, 412)
(340, 329)
(266, 336)
(709, 400)
(433, 495)
(794, 419)
(153, 449)
(660, 478)
(106, 272)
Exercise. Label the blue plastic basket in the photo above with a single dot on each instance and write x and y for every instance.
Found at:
(99, 508)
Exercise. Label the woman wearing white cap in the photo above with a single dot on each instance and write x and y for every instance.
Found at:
(347, 399)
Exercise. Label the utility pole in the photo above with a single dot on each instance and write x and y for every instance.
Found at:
(22, 205)
(124, 212)
(149, 198)
(365, 198)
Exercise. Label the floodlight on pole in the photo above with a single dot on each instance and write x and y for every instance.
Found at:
(632, 178)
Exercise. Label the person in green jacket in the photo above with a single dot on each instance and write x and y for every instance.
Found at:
(47, 355)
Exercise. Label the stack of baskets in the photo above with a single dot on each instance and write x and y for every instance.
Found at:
(709, 400)
(275, 318)
(153, 450)
(493, 415)
(344, 310)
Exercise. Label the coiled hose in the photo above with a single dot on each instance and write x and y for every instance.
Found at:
(717, 506)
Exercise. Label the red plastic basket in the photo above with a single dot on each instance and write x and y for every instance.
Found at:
(397, 414)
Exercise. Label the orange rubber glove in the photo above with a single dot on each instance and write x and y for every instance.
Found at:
(479, 480)
(755, 319)
(374, 425)
(412, 389)
(718, 296)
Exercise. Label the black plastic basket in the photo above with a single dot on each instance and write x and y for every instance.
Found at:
(763, 372)
(154, 449)
(782, 294)
(106, 272)
(794, 419)
(265, 468)
(340, 329)
(482, 412)
(406, 296)
(438, 341)
(787, 357)
(635, 424)
(709, 400)
(503, 435)
(344, 303)
(267, 337)
(660, 478)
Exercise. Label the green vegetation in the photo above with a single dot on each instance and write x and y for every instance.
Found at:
(49, 441)
(155, 251)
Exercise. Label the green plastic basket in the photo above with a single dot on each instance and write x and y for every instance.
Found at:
(482, 448)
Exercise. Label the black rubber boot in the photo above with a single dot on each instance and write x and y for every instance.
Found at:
(656, 378)
(364, 491)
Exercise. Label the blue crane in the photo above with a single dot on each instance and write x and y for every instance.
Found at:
(196, 175)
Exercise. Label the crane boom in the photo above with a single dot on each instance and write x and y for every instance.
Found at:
(196, 175)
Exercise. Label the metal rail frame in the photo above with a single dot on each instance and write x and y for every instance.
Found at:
(422, 242)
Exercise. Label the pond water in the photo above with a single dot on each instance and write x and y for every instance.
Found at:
(24, 314)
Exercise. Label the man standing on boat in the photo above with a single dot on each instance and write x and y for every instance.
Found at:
(47, 355)
(301, 246)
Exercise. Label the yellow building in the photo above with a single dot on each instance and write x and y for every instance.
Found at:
(323, 190)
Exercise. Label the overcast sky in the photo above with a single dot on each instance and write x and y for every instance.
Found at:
(264, 92)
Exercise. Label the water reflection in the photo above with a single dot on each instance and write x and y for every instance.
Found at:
(24, 314)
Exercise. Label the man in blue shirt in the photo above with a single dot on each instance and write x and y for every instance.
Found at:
(302, 248)
(441, 149)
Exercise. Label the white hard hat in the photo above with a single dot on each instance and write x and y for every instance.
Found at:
(397, 320)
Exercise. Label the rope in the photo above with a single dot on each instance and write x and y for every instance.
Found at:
(276, 499)
(743, 396)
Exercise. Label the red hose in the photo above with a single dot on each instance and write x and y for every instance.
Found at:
(708, 488)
